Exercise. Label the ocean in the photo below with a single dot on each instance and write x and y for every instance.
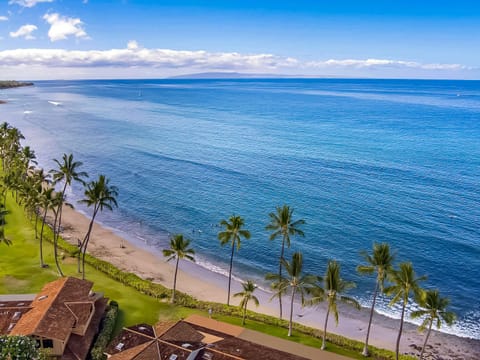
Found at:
(362, 161)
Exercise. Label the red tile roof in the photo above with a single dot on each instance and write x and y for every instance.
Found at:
(49, 316)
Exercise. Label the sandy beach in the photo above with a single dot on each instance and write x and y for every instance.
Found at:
(148, 263)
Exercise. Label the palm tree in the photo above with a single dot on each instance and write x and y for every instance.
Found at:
(282, 224)
(381, 262)
(47, 202)
(232, 234)
(67, 172)
(405, 282)
(296, 282)
(434, 308)
(178, 250)
(334, 287)
(99, 194)
(247, 294)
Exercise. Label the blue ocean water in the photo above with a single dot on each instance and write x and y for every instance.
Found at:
(361, 161)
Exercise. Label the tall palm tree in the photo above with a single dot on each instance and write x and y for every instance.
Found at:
(381, 262)
(47, 202)
(67, 172)
(232, 234)
(295, 281)
(334, 286)
(247, 294)
(405, 282)
(434, 309)
(101, 195)
(179, 249)
(282, 224)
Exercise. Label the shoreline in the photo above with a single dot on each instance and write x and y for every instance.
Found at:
(148, 263)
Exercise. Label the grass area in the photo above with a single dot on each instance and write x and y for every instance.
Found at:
(20, 272)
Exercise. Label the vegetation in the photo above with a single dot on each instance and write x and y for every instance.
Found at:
(99, 194)
(405, 283)
(282, 224)
(433, 309)
(247, 295)
(334, 287)
(381, 262)
(179, 249)
(19, 348)
(233, 234)
(106, 332)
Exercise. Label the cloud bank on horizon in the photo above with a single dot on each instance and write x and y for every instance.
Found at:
(77, 59)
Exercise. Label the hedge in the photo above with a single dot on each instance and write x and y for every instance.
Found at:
(105, 335)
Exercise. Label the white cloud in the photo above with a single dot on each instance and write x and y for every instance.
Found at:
(134, 55)
(24, 31)
(381, 63)
(3, 18)
(61, 27)
(28, 3)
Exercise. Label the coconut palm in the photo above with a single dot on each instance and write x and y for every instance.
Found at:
(434, 309)
(282, 224)
(295, 281)
(100, 195)
(381, 263)
(47, 202)
(232, 234)
(334, 286)
(405, 283)
(179, 249)
(247, 294)
(67, 173)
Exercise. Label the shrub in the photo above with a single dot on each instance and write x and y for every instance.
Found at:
(105, 335)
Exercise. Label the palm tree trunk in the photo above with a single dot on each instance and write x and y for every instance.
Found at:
(280, 277)
(291, 312)
(55, 247)
(426, 338)
(230, 273)
(175, 280)
(36, 223)
(324, 345)
(365, 348)
(397, 346)
(244, 313)
(85, 244)
(41, 238)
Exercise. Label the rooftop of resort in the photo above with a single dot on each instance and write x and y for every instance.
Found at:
(200, 338)
(65, 316)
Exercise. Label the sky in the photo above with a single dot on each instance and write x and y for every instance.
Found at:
(93, 39)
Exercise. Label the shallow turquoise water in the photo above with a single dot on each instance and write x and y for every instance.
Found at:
(359, 160)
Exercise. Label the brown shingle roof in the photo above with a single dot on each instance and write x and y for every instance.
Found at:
(130, 354)
(215, 325)
(49, 316)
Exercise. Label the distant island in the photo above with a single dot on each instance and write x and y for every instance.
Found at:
(7, 84)
(235, 75)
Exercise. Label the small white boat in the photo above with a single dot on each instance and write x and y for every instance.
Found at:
(55, 103)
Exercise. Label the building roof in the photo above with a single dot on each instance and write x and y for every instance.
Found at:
(195, 338)
(51, 315)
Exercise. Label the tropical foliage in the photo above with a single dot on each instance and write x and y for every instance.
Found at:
(405, 283)
(179, 249)
(381, 263)
(249, 288)
(433, 310)
(282, 224)
(232, 234)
